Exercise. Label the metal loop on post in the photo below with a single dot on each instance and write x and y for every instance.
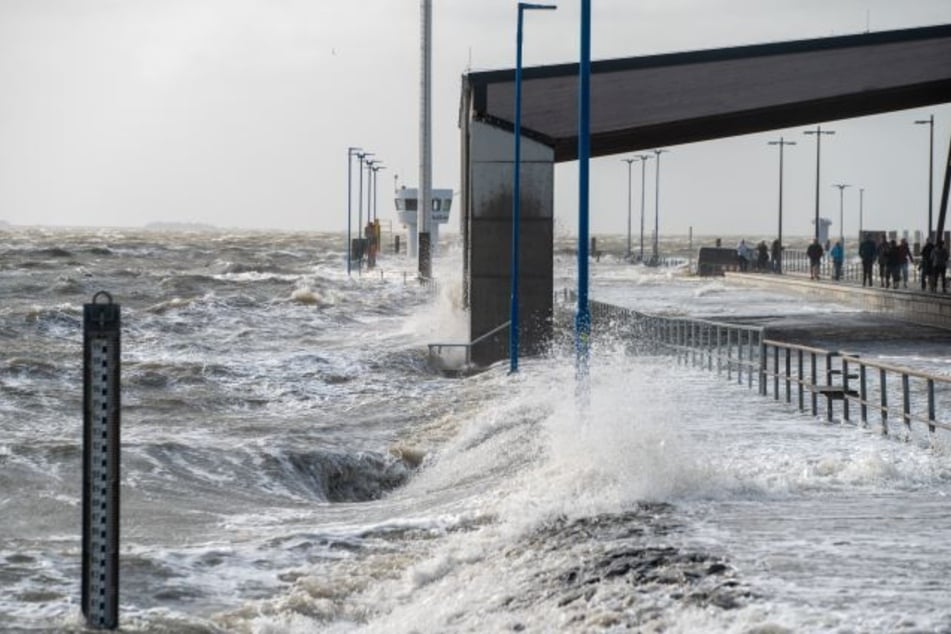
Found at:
(106, 293)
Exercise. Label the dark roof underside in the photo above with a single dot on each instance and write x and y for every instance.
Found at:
(645, 102)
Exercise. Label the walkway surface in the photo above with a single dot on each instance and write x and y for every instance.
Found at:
(844, 329)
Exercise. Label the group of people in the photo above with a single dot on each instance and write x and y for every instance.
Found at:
(371, 242)
(934, 266)
(762, 258)
(893, 258)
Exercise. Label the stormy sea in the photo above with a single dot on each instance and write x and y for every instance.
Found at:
(293, 462)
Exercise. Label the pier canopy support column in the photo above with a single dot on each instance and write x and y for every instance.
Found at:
(489, 187)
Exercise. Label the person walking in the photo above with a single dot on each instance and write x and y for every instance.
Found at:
(742, 255)
(939, 267)
(367, 248)
(777, 255)
(867, 253)
(904, 257)
(838, 257)
(894, 264)
(925, 263)
(881, 252)
(814, 253)
(762, 257)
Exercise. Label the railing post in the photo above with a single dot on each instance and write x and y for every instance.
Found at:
(776, 373)
(709, 348)
(801, 382)
(679, 339)
(883, 387)
(788, 375)
(729, 354)
(845, 389)
(688, 328)
(749, 370)
(863, 394)
(739, 357)
(829, 384)
(931, 405)
(815, 379)
(719, 353)
(906, 404)
(693, 344)
(763, 365)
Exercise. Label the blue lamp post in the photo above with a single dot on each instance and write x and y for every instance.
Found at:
(516, 186)
(350, 152)
(583, 316)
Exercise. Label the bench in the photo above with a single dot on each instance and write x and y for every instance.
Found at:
(836, 392)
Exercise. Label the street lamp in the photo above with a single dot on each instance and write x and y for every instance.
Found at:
(818, 132)
(361, 157)
(376, 168)
(861, 210)
(516, 185)
(782, 143)
(655, 259)
(629, 162)
(643, 159)
(351, 151)
(370, 164)
(842, 187)
(930, 122)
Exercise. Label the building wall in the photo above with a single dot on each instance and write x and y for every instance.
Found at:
(489, 204)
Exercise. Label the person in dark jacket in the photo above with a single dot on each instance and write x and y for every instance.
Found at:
(762, 256)
(881, 252)
(814, 253)
(904, 258)
(939, 267)
(894, 264)
(925, 264)
(867, 253)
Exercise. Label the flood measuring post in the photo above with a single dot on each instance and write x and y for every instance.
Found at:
(101, 406)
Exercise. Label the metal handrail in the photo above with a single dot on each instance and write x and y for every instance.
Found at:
(832, 375)
(436, 348)
(846, 392)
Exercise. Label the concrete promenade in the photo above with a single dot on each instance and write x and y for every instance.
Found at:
(887, 314)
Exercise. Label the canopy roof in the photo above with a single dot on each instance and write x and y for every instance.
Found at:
(646, 102)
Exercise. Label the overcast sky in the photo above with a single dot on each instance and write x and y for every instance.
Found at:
(239, 112)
